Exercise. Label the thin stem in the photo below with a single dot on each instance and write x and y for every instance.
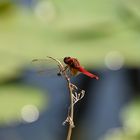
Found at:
(70, 116)
(71, 111)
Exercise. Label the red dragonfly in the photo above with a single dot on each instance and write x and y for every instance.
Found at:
(75, 67)
(72, 65)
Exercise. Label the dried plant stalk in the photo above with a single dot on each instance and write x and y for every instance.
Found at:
(74, 97)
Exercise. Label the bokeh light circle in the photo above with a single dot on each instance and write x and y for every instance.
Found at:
(30, 113)
(45, 11)
(114, 60)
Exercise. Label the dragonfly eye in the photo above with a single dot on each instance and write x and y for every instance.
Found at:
(66, 60)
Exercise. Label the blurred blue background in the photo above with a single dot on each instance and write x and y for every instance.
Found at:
(103, 35)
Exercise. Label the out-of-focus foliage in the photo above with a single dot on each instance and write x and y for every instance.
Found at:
(130, 14)
(13, 98)
(61, 28)
(17, 102)
(86, 29)
(131, 124)
(5, 7)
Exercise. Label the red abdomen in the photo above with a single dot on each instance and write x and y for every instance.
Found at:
(88, 73)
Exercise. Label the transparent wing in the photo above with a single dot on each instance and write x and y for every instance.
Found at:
(46, 67)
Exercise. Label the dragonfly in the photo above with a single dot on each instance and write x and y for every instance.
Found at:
(75, 67)
(72, 66)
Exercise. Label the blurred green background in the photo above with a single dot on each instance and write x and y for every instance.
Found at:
(131, 124)
(97, 32)
(71, 28)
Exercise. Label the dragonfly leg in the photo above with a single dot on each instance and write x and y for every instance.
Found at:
(61, 71)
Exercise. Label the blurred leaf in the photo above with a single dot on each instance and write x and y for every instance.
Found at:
(131, 117)
(131, 124)
(129, 12)
(12, 100)
(6, 8)
(79, 26)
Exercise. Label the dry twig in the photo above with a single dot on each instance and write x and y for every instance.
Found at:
(75, 96)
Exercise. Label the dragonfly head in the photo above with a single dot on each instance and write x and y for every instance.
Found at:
(67, 60)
